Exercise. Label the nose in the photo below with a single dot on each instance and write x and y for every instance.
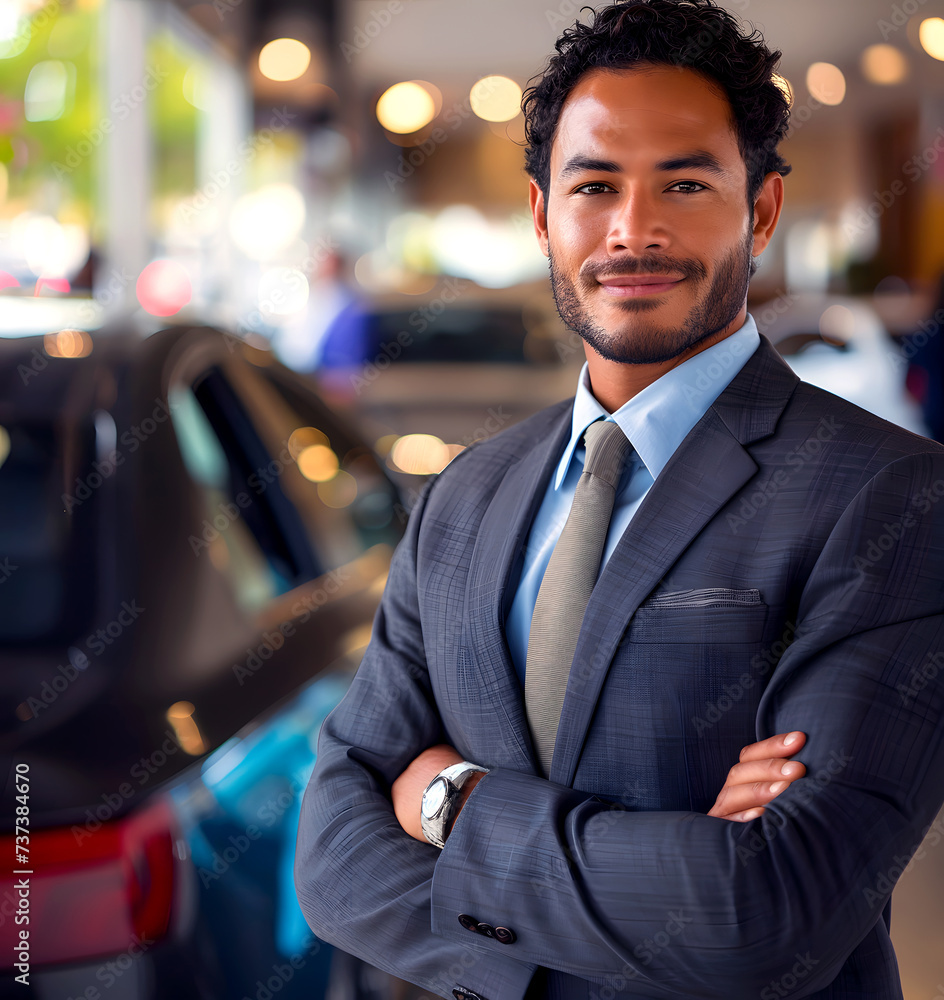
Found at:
(636, 226)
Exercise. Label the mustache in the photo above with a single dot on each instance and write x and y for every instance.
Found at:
(627, 267)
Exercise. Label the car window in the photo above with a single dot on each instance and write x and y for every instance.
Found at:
(289, 494)
(344, 498)
(256, 575)
(47, 530)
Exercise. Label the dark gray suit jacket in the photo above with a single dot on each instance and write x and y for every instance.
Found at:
(784, 572)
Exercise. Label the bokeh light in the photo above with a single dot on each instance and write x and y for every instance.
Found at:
(50, 89)
(931, 34)
(884, 65)
(826, 83)
(180, 716)
(198, 87)
(68, 344)
(163, 288)
(4, 444)
(339, 492)
(304, 437)
(284, 59)
(49, 248)
(420, 454)
(318, 463)
(267, 221)
(838, 322)
(15, 31)
(496, 98)
(405, 107)
(283, 291)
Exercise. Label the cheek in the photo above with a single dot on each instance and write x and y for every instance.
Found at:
(575, 237)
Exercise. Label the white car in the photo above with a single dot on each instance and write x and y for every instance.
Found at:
(839, 344)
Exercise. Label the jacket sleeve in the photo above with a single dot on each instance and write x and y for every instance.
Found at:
(686, 904)
(363, 883)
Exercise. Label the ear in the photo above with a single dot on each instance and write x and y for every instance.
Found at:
(767, 208)
(538, 213)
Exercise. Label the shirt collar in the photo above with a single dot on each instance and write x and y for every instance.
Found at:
(657, 419)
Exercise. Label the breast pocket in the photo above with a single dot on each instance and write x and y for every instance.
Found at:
(713, 615)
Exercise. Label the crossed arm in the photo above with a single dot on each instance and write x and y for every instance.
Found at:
(588, 889)
(761, 774)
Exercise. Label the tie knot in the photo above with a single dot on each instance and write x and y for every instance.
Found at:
(607, 446)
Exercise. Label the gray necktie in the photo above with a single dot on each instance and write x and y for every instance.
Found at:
(567, 584)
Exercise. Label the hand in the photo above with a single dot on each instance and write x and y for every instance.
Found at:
(406, 792)
(760, 775)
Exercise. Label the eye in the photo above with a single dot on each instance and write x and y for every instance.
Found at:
(593, 187)
(687, 187)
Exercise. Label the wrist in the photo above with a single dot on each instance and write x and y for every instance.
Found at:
(444, 798)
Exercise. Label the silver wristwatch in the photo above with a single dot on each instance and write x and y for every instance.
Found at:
(441, 798)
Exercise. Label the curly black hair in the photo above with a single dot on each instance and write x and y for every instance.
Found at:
(693, 34)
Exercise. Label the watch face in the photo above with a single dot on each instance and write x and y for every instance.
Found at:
(434, 798)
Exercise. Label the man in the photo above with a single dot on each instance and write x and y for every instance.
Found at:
(766, 560)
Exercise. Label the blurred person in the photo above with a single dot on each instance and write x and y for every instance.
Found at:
(528, 789)
(924, 350)
(333, 330)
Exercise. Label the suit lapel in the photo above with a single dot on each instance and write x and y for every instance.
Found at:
(708, 468)
(492, 690)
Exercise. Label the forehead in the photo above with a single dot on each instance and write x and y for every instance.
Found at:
(666, 108)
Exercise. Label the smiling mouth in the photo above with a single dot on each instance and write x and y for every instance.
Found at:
(633, 286)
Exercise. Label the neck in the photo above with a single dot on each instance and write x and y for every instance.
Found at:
(614, 383)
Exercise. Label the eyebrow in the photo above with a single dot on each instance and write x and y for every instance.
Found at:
(697, 160)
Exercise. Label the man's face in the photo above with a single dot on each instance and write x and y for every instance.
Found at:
(647, 226)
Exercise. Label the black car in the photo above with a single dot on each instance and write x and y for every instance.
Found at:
(192, 547)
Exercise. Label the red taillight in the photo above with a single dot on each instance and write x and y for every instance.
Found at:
(94, 893)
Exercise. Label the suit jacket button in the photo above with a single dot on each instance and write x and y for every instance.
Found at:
(487, 930)
(505, 935)
(469, 923)
(461, 993)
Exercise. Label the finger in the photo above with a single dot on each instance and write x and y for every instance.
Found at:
(745, 817)
(773, 769)
(774, 746)
(740, 798)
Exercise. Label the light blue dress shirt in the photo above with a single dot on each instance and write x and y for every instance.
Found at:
(656, 421)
